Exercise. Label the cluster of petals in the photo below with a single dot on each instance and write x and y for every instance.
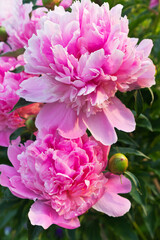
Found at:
(84, 57)
(21, 23)
(9, 84)
(153, 3)
(65, 178)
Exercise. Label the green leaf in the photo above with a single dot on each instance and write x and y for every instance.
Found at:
(130, 151)
(18, 69)
(138, 102)
(126, 139)
(33, 231)
(21, 103)
(18, 132)
(16, 53)
(71, 234)
(143, 121)
(121, 228)
(134, 179)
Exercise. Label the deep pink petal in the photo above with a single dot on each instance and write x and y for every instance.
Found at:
(120, 116)
(43, 215)
(112, 205)
(58, 115)
(101, 128)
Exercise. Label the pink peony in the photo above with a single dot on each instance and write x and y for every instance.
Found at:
(9, 84)
(64, 177)
(85, 57)
(153, 3)
(20, 26)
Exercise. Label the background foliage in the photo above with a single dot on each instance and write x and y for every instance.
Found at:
(142, 147)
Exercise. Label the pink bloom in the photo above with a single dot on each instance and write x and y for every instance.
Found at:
(85, 57)
(153, 3)
(20, 26)
(64, 177)
(9, 84)
(5, 9)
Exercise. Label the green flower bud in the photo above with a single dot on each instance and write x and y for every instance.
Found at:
(50, 3)
(30, 123)
(118, 163)
(3, 34)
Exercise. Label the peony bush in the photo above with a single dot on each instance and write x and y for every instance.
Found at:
(75, 98)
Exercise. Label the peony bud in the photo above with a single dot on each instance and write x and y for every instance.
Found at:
(118, 163)
(3, 34)
(30, 123)
(50, 3)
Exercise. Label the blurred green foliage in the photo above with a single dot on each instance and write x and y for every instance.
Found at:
(142, 147)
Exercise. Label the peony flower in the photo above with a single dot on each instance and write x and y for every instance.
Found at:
(64, 177)
(9, 84)
(153, 3)
(22, 23)
(84, 57)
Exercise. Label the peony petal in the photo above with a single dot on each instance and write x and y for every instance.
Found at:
(6, 173)
(58, 115)
(118, 184)
(43, 215)
(120, 116)
(19, 189)
(101, 128)
(112, 205)
(13, 152)
(4, 137)
(38, 89)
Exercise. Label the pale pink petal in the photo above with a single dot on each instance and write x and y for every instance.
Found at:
(19, 189)
(101, 128)
(120, 116)
(6, 173)
(58, 115)
(118, 184)
(38, 89)
(13, 151)
(43, 215)
(145, 46)
(112, 205)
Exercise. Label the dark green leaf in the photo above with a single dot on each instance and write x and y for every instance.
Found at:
(18, 132)
(143, 121)
(16, 53)
(33, 231)
(130, 151)
(18, 69)
(138, 102)
(21, 103)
